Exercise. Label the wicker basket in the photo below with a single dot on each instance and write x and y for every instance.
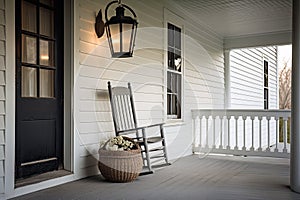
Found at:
(120, 166)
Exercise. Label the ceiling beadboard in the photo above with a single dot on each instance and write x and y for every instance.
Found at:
(231, 18)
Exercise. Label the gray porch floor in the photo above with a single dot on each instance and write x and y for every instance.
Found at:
(192, 177)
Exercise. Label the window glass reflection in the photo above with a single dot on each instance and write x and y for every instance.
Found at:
(28, 49)
(46, 53)
(28, 17)
(46, 83)
(46, 22)
(29, 82)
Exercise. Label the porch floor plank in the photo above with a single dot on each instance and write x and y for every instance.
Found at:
(192, 177)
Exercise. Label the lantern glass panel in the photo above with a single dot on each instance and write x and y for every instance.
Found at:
(126, 37)
(115, 36)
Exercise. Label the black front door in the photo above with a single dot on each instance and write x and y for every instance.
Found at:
(39, 88)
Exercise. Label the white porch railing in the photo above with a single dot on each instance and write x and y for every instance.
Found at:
(240, 132)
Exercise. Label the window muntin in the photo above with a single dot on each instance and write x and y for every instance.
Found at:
(38, 49)
(266, 84)
(174, 72)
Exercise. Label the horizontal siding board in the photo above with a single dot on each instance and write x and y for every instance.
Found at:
(2, 63)
(2, 78)
(2, 172)
(2, 32)
(2, 92)
(2, 137)
(2, 5)
(2, 185)
(2, 107)
(2, 16)
(2, 48)
(2, 152)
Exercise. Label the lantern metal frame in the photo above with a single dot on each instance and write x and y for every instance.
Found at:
(120, 19)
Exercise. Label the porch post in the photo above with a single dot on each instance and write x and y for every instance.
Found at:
(227, 79)
(295, 117)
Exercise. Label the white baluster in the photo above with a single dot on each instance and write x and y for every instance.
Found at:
(284, 134)
(252, 145)
(207, 118)
(268, 131)
(228, 132)
(244, 133)
(277, 134)
(214, 131)
(236, 133)
(221, 132)
(194, 134)
(259, 126)
(200, 131)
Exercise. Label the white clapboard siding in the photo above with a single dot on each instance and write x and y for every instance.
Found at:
(247, 87)
(247, 77)
(2, 94)
(203, 76)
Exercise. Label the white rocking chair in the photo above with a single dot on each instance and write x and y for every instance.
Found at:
(125, 123)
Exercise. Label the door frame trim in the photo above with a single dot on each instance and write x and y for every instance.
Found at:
(10, 109)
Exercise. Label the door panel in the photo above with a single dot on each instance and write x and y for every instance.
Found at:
(39, 86)
(38, 140)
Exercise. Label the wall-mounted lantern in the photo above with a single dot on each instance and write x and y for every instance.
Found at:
(120, 30)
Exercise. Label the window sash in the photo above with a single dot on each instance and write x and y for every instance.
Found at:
(174, 72)
(266, 84)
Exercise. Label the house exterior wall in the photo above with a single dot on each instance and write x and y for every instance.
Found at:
(247, 89)
(203, 76)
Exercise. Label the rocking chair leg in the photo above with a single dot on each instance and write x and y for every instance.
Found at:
(164, 145)
(147, 153)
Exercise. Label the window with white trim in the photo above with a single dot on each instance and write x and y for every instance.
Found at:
(174, 72)
(266, 84)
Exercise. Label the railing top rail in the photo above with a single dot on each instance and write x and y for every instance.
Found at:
(241, 113)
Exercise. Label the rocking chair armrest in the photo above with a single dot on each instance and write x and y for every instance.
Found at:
(153, 125)
(140, 128)
(130, 130)
(143, 128)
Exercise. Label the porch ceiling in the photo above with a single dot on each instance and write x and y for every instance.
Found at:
(236, 18)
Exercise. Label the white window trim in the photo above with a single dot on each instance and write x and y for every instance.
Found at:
(170, 17)
(263, 82)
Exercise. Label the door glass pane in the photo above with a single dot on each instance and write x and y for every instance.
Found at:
(29, 82)
(46, 83)
(28, 49)
(47, 2)
(46, 22)
(28, 17)
(46, 53)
